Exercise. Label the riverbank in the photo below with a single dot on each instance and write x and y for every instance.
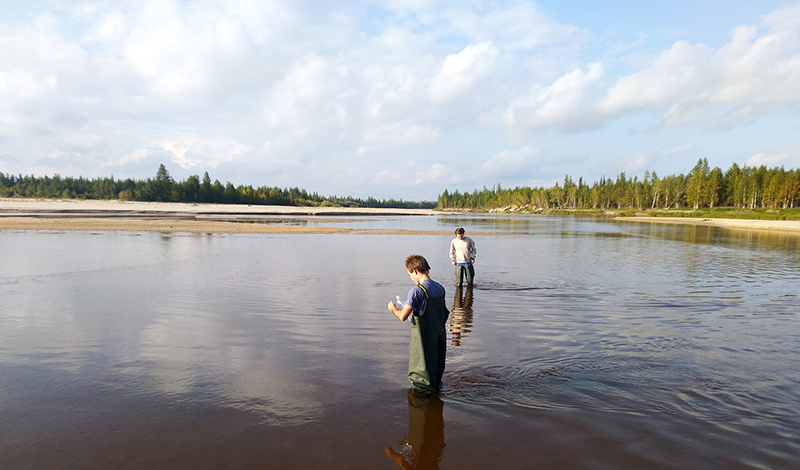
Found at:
(113, 215)
(64, 206)
(782, 226)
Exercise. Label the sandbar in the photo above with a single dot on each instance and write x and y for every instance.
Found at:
(129, 216)
(112, 215)
(782, 226)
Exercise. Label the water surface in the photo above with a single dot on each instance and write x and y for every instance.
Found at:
(584, 344)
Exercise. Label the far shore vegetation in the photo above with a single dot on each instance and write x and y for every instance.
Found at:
(740, 192)
(163, 188)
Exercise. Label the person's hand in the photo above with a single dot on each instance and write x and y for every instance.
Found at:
(389, 306)
(473, 261)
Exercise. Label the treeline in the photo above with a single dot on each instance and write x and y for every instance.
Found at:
(739, 187)
(194, 189)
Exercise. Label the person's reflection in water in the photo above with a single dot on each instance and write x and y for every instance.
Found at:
(461, 315)
(422, 448)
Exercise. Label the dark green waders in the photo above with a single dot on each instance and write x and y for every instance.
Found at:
(428, 347)
(462, 272)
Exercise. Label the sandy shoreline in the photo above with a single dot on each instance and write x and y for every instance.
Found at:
(8, 205)
(782, 226)
(112, 215)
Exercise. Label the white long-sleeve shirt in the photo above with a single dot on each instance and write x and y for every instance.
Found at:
(462, 250)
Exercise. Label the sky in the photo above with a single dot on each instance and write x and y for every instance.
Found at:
(397, 99)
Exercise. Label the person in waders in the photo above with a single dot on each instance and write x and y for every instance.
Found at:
(425, 305)
(462, 255)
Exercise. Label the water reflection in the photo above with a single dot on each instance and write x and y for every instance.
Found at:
(532, 224)
(424, 444)
(461, 315)
(740, 238)
(600, 345)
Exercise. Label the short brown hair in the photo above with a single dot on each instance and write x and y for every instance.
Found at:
(459, 230)
(418, 263)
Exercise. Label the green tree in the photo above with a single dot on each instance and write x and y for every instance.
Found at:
(190, 189)
(713, 187)
(790, 189)
(695, 188)
(160, 188)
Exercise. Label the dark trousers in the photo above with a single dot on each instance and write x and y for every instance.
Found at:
(461, 272)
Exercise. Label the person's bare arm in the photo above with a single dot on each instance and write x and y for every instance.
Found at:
(401, 314)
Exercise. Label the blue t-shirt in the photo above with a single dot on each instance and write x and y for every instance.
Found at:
(416, 296)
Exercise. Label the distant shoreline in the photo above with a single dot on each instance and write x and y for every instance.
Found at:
(132, 216)
(135, 216)
(113, 205)
(782, 226)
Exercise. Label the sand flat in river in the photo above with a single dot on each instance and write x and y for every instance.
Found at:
(112, 215)
(93, 215)
(745, 224)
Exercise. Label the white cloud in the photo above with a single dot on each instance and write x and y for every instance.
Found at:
(271, 157)
(132, 157)
(784, 19)
(460, 71)
(23, 84)
(681, 149)
(305, 94)
(37, 63)
(563, 103)
(389, 94)
(190, 152)
(518, 164)
(770, 160)
(330, 95)
(638, 162)
(691, 84)
(395, 136)
(673, 75)
(181, 52)
(436, 173)
(110, 28)
(751, 68)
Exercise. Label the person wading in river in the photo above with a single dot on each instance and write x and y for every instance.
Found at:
(462, 255)
(426, 307)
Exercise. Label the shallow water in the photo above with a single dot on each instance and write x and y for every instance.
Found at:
(584, 344)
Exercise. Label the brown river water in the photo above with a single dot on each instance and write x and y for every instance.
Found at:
(584, 343)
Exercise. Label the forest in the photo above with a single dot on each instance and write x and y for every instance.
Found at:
(738, 187)
(194, 189)
(746, 187)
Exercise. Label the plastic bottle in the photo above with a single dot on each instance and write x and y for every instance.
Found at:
(399, 302)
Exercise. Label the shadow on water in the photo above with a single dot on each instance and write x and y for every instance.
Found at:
(424, 444)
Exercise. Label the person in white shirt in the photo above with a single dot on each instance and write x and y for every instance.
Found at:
(462, 255)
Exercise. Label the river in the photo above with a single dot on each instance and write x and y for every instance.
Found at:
(585, 343)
